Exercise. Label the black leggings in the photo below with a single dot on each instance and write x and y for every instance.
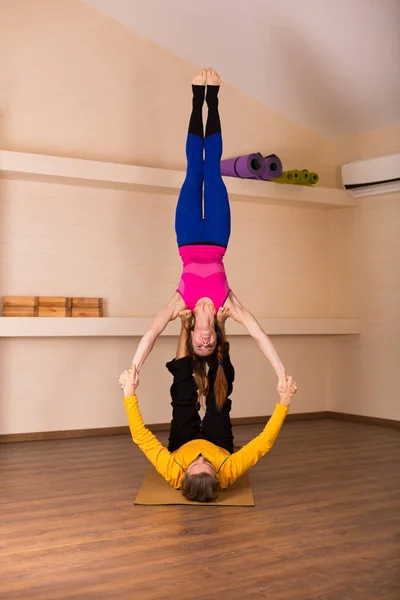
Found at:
(186, 424)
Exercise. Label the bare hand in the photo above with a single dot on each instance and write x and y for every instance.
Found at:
(185, 316)
(223, 314)
(288, 393)
(129, 381)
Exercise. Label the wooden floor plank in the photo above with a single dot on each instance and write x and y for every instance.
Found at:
(326, 525)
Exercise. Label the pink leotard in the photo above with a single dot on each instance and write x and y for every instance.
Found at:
(203, 275)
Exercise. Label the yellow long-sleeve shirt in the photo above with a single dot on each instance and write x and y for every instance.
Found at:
(228, 467)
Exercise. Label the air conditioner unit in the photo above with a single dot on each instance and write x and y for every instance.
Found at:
(372, 176)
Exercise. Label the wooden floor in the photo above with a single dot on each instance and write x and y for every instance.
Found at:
(325, 526)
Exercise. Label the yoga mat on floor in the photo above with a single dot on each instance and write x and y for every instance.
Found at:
(249, 165)
(288, 177)
(273, 168)
(156, 491)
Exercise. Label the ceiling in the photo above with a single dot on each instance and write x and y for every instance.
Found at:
(331, 65)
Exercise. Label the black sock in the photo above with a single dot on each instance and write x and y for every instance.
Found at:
(196, 118)
(213, 122)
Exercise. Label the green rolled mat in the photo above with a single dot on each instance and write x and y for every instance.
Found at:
(288, 177)
(312, 179)
(305, 177)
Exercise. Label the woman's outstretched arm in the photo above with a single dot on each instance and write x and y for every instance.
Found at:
(168, 313)
(239, 462)
(157, 454)
(240, 314)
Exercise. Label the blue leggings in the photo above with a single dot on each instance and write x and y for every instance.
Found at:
(191, 225)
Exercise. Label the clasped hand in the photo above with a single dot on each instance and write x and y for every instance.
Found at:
(129, 381)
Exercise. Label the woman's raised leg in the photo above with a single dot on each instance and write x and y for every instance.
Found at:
(186, 421)
(189, 211)
(217, 214)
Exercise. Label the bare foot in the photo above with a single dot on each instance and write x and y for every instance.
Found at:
(201, 78)
(212, 77)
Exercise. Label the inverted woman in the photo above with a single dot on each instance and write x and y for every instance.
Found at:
(203, 226)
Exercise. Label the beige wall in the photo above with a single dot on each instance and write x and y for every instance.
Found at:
(73, 83)
(365, 280)
(58, 384)
(71, 240)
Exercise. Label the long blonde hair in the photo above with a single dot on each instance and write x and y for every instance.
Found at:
(213, 360)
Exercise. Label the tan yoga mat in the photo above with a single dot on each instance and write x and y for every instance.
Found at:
(155, 490)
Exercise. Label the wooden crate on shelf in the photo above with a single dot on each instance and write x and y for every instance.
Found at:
(87, 307)
(87, 302)
(19, 311)
(54, 311)
(86, 312)
(54, 306)
(55, 301)
(51, 306)
(28, 301)
(20, 306)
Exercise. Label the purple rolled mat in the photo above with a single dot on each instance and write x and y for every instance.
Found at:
(245, 167)
(273, 168)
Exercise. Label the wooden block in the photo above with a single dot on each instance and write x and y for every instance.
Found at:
(29, 301)
(86, 312)
(19, 311)
(87, 302)
(53, 311)
(54, 301)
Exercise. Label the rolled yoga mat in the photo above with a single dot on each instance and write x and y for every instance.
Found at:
(305, 177)
(273, 168)
(308, 178)
(288, 177)
(247, 166)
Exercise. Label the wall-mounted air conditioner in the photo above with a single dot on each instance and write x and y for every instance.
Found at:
(372, 176)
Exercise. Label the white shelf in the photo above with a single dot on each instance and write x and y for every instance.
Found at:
(38, 167)
(24, 327)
